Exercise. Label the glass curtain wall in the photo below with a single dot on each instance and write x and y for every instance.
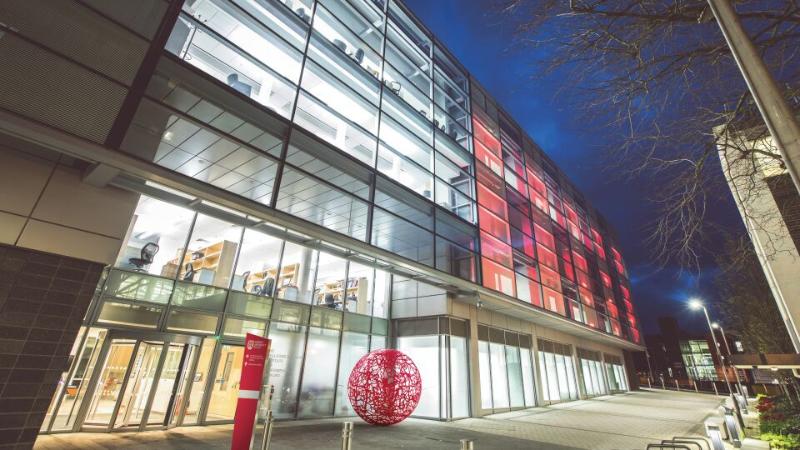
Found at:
(506, 369)
(591, 370)
(438, 347)
(615, 371)
(558, 372)
(413, 116)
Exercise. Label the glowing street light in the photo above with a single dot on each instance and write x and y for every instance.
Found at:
(696, 304)
(717, 326)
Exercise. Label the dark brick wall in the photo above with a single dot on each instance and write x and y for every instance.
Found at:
(43, 298)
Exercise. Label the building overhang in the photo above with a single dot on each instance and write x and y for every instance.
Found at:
(772, 361)
(135, 173)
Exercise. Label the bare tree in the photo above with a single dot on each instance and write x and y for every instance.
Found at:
(659, 73)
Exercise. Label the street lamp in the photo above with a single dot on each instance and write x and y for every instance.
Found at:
(716, 326)
(697, 304)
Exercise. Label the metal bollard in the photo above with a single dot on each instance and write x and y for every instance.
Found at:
(714, 383)
(695, 385)
(677, 386)
(347, 435)
(662, 385)
(649, 385)
(467, 444)
(268, 421)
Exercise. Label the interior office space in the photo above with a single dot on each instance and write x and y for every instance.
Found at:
(324, 173)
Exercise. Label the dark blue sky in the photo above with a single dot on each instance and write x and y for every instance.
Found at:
(483, 45)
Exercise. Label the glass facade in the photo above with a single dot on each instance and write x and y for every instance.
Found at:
(591, 370)
(438, 347)
(557, 371)
(698, 360)
(506, 369)
(352, 116)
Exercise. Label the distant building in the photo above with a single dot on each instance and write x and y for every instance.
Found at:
(770, 208)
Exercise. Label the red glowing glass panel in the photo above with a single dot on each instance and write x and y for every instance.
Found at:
(606, 279)
(574, 230)
(498, 277)
(497, 250)
(626, 294)
(583, 280)
(494, 225)
(538, 201)
(517, 183)
(586, 296)
(613, 311)
(567, 271)
(536, 183)
(546, 256)
(591, 317)
(544, 237)
(580, 262)
(616, 328)
(570, 213)
(554, 301)
(492, 201)
(484, 136)
(597, 237)
(600, 252)
(587, 242)
(485, 155)
(550, 278)
(522, 243)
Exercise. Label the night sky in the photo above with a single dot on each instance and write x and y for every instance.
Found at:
(484, 47)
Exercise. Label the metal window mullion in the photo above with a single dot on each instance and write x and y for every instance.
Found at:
(229, 290)
(285, 147)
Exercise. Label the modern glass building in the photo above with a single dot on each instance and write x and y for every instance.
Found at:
(324, 173)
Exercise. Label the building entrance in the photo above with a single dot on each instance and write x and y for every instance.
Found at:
(127, 381)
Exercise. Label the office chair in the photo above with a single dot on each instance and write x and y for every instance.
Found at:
(189, 275)
(146, 256)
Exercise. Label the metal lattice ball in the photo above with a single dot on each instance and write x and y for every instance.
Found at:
(384, 387)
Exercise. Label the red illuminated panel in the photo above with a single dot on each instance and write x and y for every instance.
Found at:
(483, 135)
(543, 236)
(517, 183)
(567, 271)
(571, 214)
(635, 335)
(496, 226)
(615, 254)
(620, 268)
(580, 262)
(498, 277)
(550, 278)
(626, 294)
(527, 270)
(492, 201)
(600, 252)
(587, 242)
(529, 291)
(520, 220)
(597, 237)
(546, 257)
(538, 201)
(586, 296)
(591, 317)
(574, 230)
(493, 248)
(554, 301)
(485, 155)
(632, 320)
(613, 311)
(606, 279)
(583, 280)
(616, 328)
(558, 217)
(536, 183)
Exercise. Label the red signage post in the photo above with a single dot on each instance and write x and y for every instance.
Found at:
(256, 349)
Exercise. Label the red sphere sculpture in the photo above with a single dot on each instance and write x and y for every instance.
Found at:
(384, 387)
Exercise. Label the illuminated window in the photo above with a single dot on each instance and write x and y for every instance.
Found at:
(554, 301)
(550, 278)
(498, 277)
(494, 225)
(547, 257)
(606, 279)
(544, 237)
(492, 201)
(495, 249)
(485, 155)
(580, 262)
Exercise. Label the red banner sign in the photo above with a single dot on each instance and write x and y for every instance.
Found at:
(256, 349)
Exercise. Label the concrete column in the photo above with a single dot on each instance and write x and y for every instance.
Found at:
(474, 364)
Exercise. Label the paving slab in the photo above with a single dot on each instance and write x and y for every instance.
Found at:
(618, 422)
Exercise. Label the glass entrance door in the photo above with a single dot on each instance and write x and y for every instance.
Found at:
(142, 375)
(140, 383)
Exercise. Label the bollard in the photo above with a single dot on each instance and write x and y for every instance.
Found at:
(677, 386)
(694, 382)
(347, 435)
(714, 383)
(662, 385)
(649, 385)
(267, 431)
(467, 444)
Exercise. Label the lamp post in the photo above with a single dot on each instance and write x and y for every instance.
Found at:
(715, 325)
(697, 304)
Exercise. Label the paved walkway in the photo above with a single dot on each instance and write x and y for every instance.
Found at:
(619, 422)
